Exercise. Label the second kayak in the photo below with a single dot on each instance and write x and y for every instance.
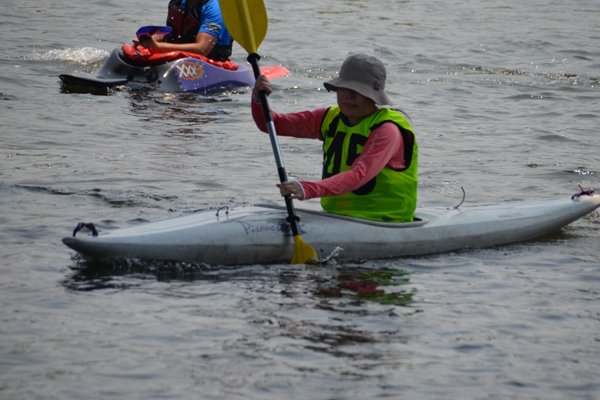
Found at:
(187, 74)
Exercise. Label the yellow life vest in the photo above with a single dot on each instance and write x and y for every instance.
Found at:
(392, 195)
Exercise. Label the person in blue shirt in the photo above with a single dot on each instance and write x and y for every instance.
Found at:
(198, 28)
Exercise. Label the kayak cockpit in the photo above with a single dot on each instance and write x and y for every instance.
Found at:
(418, 221)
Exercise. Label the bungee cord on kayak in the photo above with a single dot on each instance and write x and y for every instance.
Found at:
(463, 199)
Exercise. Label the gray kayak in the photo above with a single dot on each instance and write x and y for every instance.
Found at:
(261, 235)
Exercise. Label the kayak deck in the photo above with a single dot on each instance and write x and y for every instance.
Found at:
(261, 235)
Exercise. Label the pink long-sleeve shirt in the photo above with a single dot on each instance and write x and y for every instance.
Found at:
(384, 146)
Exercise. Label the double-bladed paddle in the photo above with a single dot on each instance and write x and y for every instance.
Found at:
(246, 21)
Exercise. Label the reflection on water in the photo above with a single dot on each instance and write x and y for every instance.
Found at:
(334, 286)
(334, 310)
(364, 284)
(91, 274)
(177, 114)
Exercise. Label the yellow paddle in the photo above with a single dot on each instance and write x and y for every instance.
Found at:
(246, 21)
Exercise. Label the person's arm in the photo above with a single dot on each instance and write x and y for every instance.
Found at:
(306, 124)
(203, 45)
(385, 146)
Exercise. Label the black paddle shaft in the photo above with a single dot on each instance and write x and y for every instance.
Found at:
(292, 217)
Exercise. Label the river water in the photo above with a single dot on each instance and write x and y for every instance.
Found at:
(504, 97)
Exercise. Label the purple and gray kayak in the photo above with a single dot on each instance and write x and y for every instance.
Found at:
(183, 75)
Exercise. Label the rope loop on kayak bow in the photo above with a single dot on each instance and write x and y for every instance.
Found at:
(82, 225)
(226, 210)
(586, 192)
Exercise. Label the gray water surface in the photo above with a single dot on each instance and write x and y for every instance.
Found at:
(504, 98)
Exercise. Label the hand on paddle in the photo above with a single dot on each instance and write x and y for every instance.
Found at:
(262, 85)
(292, 189)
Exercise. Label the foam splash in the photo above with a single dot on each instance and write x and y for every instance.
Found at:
(84, 56)
(332, 256)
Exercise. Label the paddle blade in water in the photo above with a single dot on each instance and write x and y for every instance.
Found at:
(246, 21)
(303, 253)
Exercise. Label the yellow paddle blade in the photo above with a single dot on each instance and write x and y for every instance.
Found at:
(246, 21)
(303, 253)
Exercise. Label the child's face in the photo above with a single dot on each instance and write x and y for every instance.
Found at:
(354, 105)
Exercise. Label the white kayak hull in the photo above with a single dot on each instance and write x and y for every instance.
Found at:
(260, 235)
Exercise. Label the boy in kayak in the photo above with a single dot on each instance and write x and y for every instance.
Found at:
(370, 153)
(198, 27)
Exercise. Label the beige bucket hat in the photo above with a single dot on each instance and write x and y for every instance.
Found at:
(363, 74)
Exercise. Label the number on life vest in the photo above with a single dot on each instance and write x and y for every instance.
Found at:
(334, 152)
